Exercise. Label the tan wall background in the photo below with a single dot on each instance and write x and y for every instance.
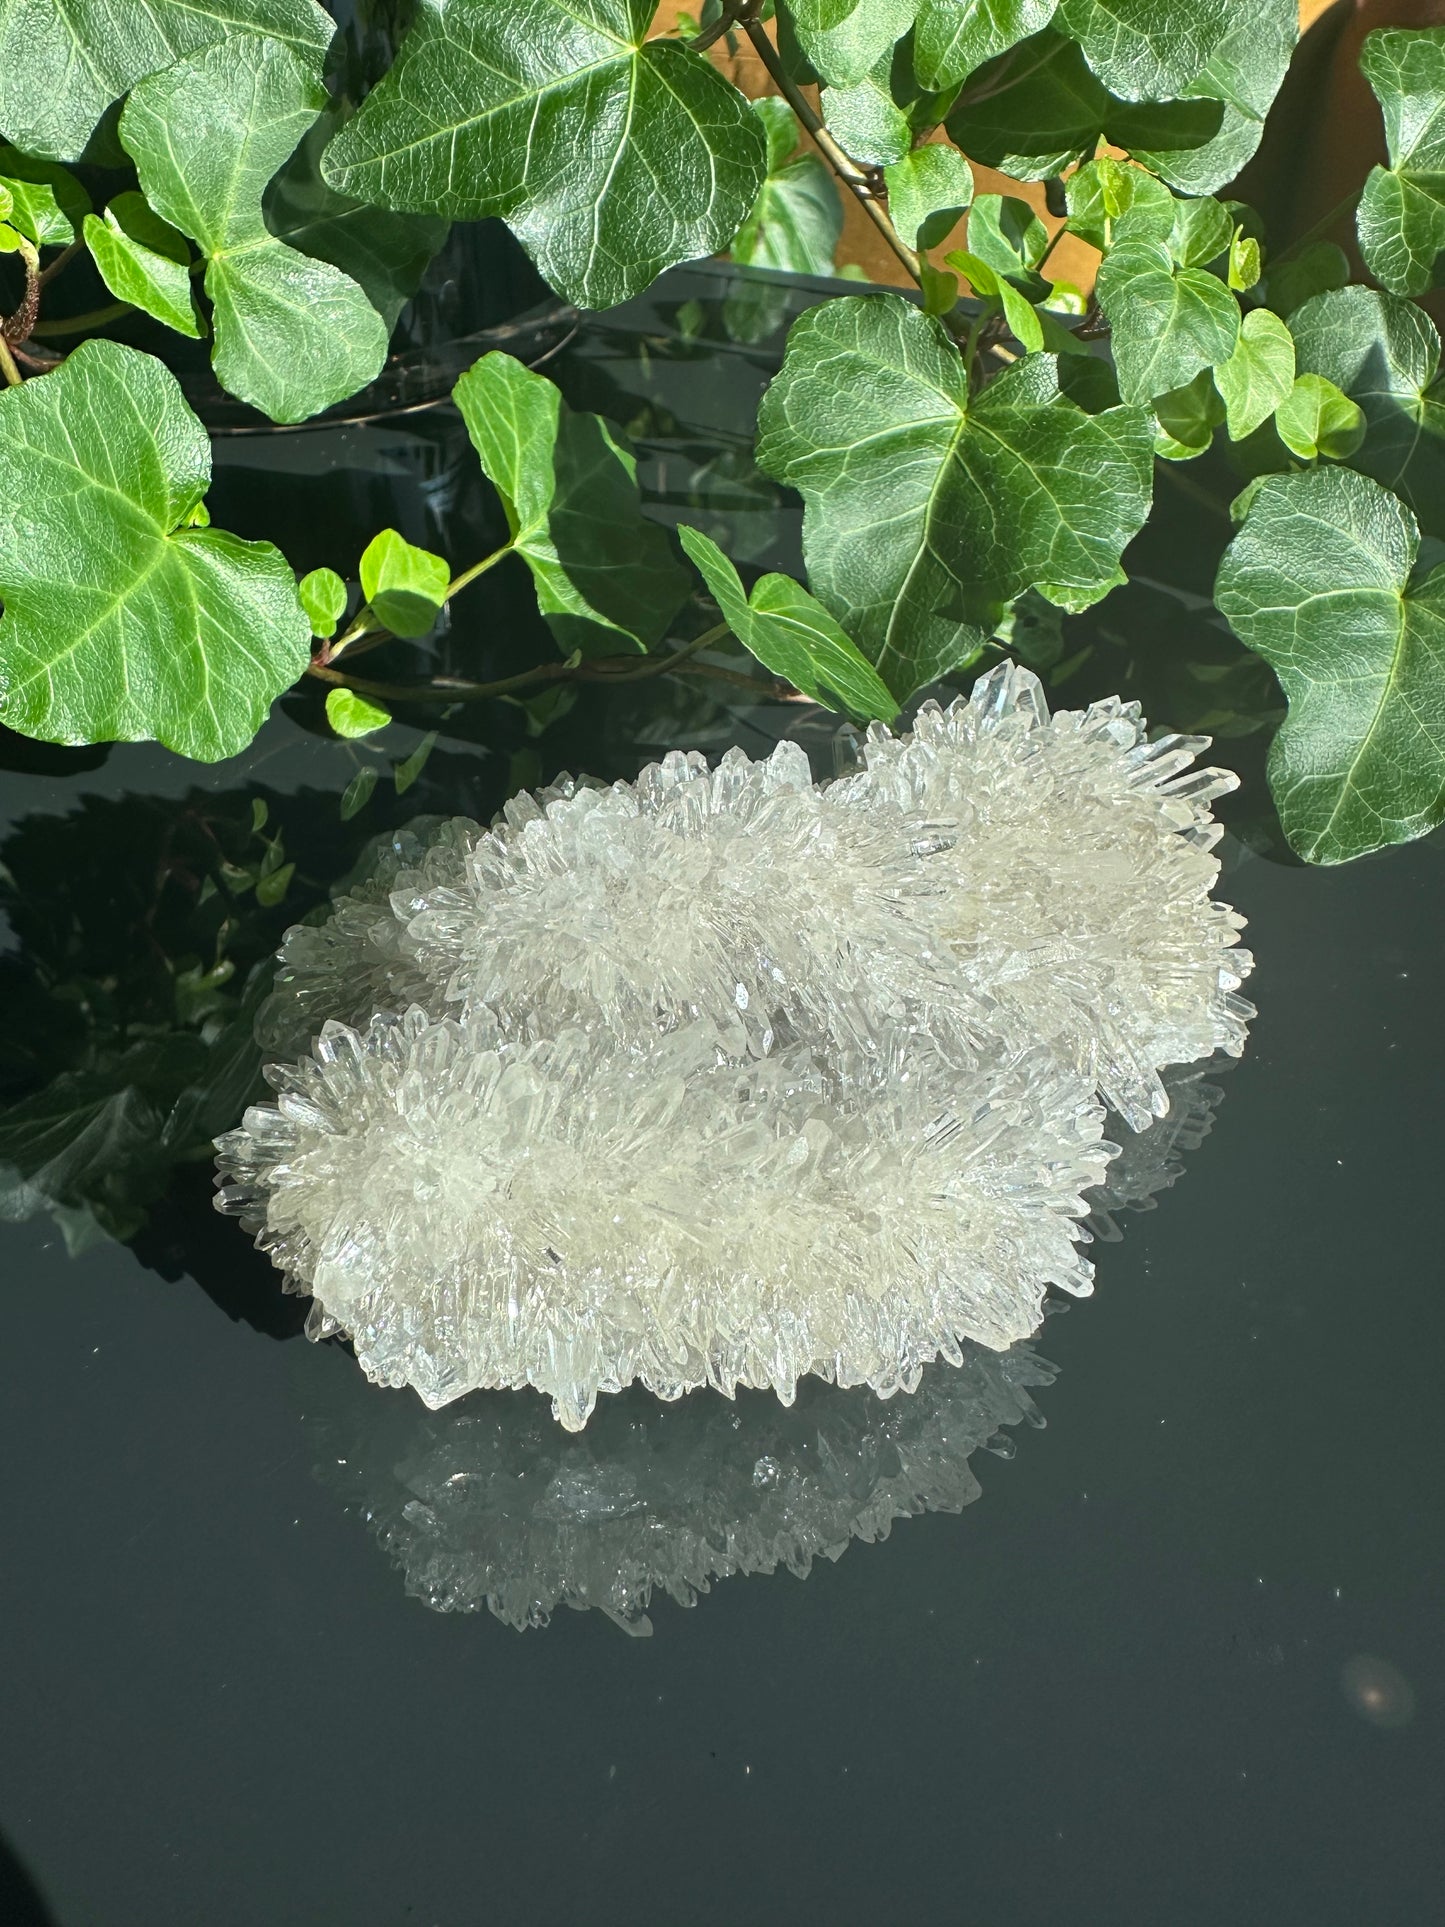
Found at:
(1071, 261)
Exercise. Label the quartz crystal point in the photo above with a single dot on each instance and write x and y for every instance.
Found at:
(724, 1077)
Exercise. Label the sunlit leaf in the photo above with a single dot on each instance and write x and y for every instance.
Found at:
(953, 37)
(1166, 322)
(928, 191)
(1259, 375)
(1146, 49)
(351, 715)
(844, 39)
(405, 586)
(1401, 219)
(144, 260)
(1316, 419)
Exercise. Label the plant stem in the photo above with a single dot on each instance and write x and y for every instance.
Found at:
(711, 35)
(11, 373)
(366, 623)
(77, 324)
(17, 327)
(848, 171)
(445, 690)
(61, 262)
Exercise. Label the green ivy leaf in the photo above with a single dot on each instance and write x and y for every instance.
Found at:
(1202, 231)
(1316, 419)
(1384, 352)
(47, 203)
(61, 65)
(405, 586)
(1296, 279)
(1187, 419)
(1109, 201)
(144, 260)
(610, 156)
(351, 715)
(953, 37)
(1401, 218)
(1246, 261)
(1006, 233)
(1166, 323)
(866, 121)
(1044, 111)
(323, 597)
(605, 576)
(1244, 73)
(791, 633)
(385, 254)
(928, 192)
(1259, 375)
(797, 218)
(844, 39)
(292, 335)
(926, 511)
(1318, 583)
(121, 623)
(1146, 49)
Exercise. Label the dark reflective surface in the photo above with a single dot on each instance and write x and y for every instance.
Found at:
(1179, 1663)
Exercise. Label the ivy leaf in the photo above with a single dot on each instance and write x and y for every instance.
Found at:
(791, 633)
(1038, 109)
(385, 254)
(1166, 323)
(1244, 73)
(866, 121)
(1296, 279)
(323, 597)
(953, 37)
(1110, 201)
(793, 228)
(1202, 231)
(1318, 583)
(1006, 233)
(351, 715)
(925, 510)
(144, 260)
(605, 576)
(47, 203)
(120, 622)
(292, 335)
(61, 65)
(1146, 49)
(844, 39)
(405, 585)
(1316, 419)
(610, 156)
(1384, 352)
(1401, 218)
(928, 191)
(1187, 419)
(1259, 375)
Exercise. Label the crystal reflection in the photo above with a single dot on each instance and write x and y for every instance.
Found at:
(491, 1503)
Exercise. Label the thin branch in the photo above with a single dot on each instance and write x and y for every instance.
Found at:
(724, 25)
(77, 324)
(61, 262)
(853, 177)
(368, 625)
(11, 373)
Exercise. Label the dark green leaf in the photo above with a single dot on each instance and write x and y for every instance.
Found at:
(1298, 278)
(405, 773)
(1187, 419)
(1259, 375)
(47, 203)
(925, 511)
(610, 156)
(1401, 219)
(791, 633)
(385, 254)
(953, 37)
(605, 576)
(405, 585)
(323, 597)
(1384, 352)
(1146, 49)
(928, 191)
(61, 65)
(1244, 74)
(1166, 323)
(844, 39)
(357, 794)
(293, 335)
(1318, 582)
(120, 623)
(351, 715)
(1316, 419)
(144, 260)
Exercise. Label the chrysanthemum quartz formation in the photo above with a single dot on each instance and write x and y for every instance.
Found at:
(726, 1078)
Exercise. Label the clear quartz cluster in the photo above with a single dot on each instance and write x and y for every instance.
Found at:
(724, 1077)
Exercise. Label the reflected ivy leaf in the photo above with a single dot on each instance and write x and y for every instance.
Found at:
(928, 191)
(1259, 375)
(953, 37)
(1319, 583)
(1146, 49)
(925, 510)
(791, 633)
(1384, 352)
(1401, 218)
(292, 335)
(610, 156)
(1244, 73)
(144, 260)
(47, 202)
(605, 576)
(844, 39)
(121, 622)
(1166, 322)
